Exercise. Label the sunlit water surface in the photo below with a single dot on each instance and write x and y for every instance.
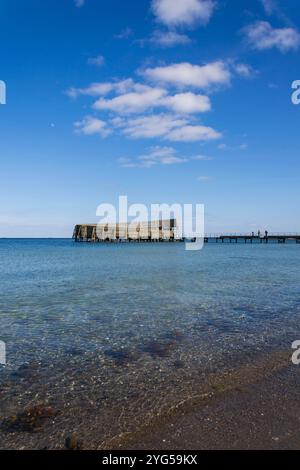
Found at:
(115, 310)
(56, 295)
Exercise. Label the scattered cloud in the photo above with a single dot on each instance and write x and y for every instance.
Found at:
(158, 125)
(95, 89)
(273, 8)
(166, 126)
(270, 6)
(132, 97)
(98, 61)
(91, 126)
(79, 3)
(170, 127)
(155, 156)
(159, 155)
(101, 89)
(183, 12)
(204, 178)
(273, 86)
(224, 146)
(187, 74)
(201, 157)
(188, 103)
(166, 39)
(261, 35)
(143, 97)
(191, 133)
(166, 109)
(124, 34)
(245, 70)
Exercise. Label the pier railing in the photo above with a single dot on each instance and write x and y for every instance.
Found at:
(255, 235)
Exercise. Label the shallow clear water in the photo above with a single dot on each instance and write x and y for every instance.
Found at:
(57, 297)
(115, 336)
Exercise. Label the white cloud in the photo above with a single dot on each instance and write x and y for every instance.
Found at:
(144, 97)
(156, 156)
(95, 89)
(133, 102)
(98, 61)
(90, 126)
(169, 39)
(245, 70)
(183, 12)
(158, 125)
(224, 146)
(188, 103)
(193, 134)
(186, 74)
(159, 155)
(161, 114)
(167, 127)
(102, 89)
(261, 35)
(79, 3)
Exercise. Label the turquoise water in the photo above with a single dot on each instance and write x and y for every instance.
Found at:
(57, 296)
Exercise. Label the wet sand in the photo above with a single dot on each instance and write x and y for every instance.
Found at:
(252, 405)
(261, 416)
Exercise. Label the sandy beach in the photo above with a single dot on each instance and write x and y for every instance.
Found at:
(252, 406)
(260, 416)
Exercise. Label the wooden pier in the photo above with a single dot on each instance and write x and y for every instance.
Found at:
(94, 233)
(245, 238)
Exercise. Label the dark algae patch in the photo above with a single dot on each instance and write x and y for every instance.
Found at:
(32, 419)
(163, 346)
(121, 357)
(157, 348)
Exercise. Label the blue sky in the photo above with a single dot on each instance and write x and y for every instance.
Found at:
(164, 102)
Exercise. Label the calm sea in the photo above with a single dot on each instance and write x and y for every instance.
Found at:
(57, 297)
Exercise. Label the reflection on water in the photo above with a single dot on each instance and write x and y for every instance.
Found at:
(90, 325)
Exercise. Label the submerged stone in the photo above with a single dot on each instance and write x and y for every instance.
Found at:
(73, 443)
